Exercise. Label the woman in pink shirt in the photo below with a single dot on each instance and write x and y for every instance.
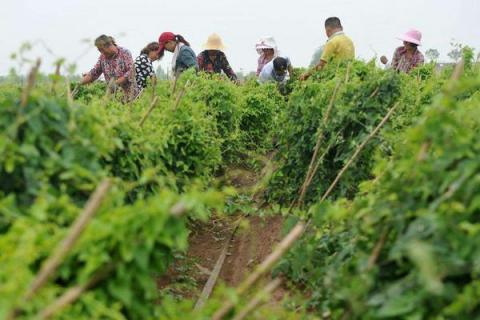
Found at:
(116, 65)
(408, 56)
(267, 49)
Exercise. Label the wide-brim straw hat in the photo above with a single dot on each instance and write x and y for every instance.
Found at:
(214, 42)
(412, 36)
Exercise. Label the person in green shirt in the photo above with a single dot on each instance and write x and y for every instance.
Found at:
(339, 47)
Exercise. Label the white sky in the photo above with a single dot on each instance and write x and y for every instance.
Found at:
(297, 26)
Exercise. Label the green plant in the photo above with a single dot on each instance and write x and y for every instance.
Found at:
(407, 247)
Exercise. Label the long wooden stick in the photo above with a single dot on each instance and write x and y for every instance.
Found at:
(180, 95)
(50, 266)
(312, 172)
(372, 259)
(326, 116)
(149, 111)
(30, 83)
(259, 298)
(74, 293)
(228, 306)
(458, 71)
(320, 160)
(261, 269)
(357, 152)
(70, 93)
(207, 290)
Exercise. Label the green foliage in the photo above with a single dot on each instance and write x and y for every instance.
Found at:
(245, 116)
(260, 107)
(365, 94)
(221, 98)
(424, 203)
(50, 147)
(89, 92)
(131, 243)
(54, 154)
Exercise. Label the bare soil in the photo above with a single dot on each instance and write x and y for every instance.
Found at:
(251, 244)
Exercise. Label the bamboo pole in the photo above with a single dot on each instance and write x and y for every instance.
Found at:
(258, 299)
(261, 269)
(70, 94)
(180, 95)
(372, 260)
(50, 266)
(242, 288)
(149, 111)
(458, 71)
(207, 290)
(73, 294)
(357, 151)
(326, 116)
(30, 83)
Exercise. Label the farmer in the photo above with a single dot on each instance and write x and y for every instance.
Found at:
(183, 56)
(339, 47)
(116, 64)
(213, 60)
(267, 49)
(408, 56)
(276, 70)
(143, 64)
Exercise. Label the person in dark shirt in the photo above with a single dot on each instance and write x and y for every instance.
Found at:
(213, 59)
(144, 71)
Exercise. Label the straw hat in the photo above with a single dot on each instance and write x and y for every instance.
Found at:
(214, 42)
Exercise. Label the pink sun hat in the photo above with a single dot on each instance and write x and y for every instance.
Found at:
(412, 36)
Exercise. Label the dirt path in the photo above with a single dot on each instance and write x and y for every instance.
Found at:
(252, 242)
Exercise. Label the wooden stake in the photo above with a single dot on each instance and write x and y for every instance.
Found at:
(30, 83)
(357, 152)
(154, 87)
(70, 94)
(261, 269)
(180, 95)
(50, 266)
(259, 298)
(174, 84)
(207, 290)
(228, 306)
(458, 71)
(326, 116)
(152, 106)
(73, 294)
(372, 260)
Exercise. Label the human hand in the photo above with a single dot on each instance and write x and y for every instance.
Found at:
(383, 60)
(304, 76)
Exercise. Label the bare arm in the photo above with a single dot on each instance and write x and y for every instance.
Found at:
(87, 78)
(120, 81)
(93, 74)
(319, 66)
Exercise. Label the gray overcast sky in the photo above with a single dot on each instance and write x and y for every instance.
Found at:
(296, 25)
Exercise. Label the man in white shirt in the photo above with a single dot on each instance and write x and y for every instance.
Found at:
(276, 70)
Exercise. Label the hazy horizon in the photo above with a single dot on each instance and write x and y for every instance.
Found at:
(62, 27)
